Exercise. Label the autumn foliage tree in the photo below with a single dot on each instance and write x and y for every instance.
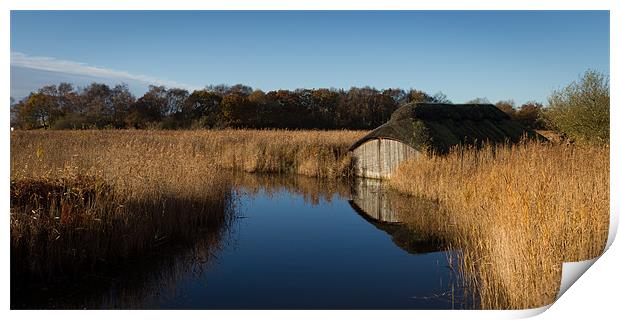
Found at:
(508, 106)
(201, 109)
(238, 106)
(529, 115)
(235, 111)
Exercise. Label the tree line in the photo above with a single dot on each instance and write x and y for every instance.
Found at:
(99, 106)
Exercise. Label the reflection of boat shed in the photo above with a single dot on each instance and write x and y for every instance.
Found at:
(370, 199)
(422, 127)
(374, 203)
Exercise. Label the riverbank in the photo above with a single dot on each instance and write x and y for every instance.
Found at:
(516, 213)
(81, 199)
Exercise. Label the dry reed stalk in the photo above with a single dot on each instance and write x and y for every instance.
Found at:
(516, 213)
(312, 153)
(141, 188)
(80, 199)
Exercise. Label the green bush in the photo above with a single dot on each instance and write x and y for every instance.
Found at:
(580, 111)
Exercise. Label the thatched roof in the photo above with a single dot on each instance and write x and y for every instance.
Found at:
(438, 127)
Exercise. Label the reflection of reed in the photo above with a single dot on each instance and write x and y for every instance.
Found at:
(377, 203)
(402, 236)
(416, 225)
(312, 190)
(136, 284)
(134, 246)
(85, 203)
(402, 217)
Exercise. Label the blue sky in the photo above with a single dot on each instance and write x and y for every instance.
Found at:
(519, 55)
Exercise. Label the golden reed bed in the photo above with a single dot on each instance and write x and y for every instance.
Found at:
(312, 153)
(80, 198)
(516, 213)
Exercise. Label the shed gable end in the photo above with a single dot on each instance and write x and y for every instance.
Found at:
(378, 158)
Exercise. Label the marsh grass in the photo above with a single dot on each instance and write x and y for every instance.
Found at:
(320, 154)
(84, 200)
(80, 199)
(516, 213)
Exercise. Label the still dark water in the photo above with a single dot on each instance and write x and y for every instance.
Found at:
(296, 244)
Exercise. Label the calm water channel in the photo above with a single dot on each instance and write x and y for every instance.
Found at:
(297, 243)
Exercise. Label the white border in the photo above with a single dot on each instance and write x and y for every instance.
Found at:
(593, 295)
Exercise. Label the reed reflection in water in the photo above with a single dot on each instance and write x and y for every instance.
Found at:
(138, 283)
(295, 243)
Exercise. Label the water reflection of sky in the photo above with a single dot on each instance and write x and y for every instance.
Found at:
(296, 244)
(289, 254)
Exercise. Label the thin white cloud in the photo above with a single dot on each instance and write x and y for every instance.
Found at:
(19, 59)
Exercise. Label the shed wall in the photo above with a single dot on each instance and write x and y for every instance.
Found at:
(378, 158)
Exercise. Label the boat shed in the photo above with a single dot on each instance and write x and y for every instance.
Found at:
(419, 128)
